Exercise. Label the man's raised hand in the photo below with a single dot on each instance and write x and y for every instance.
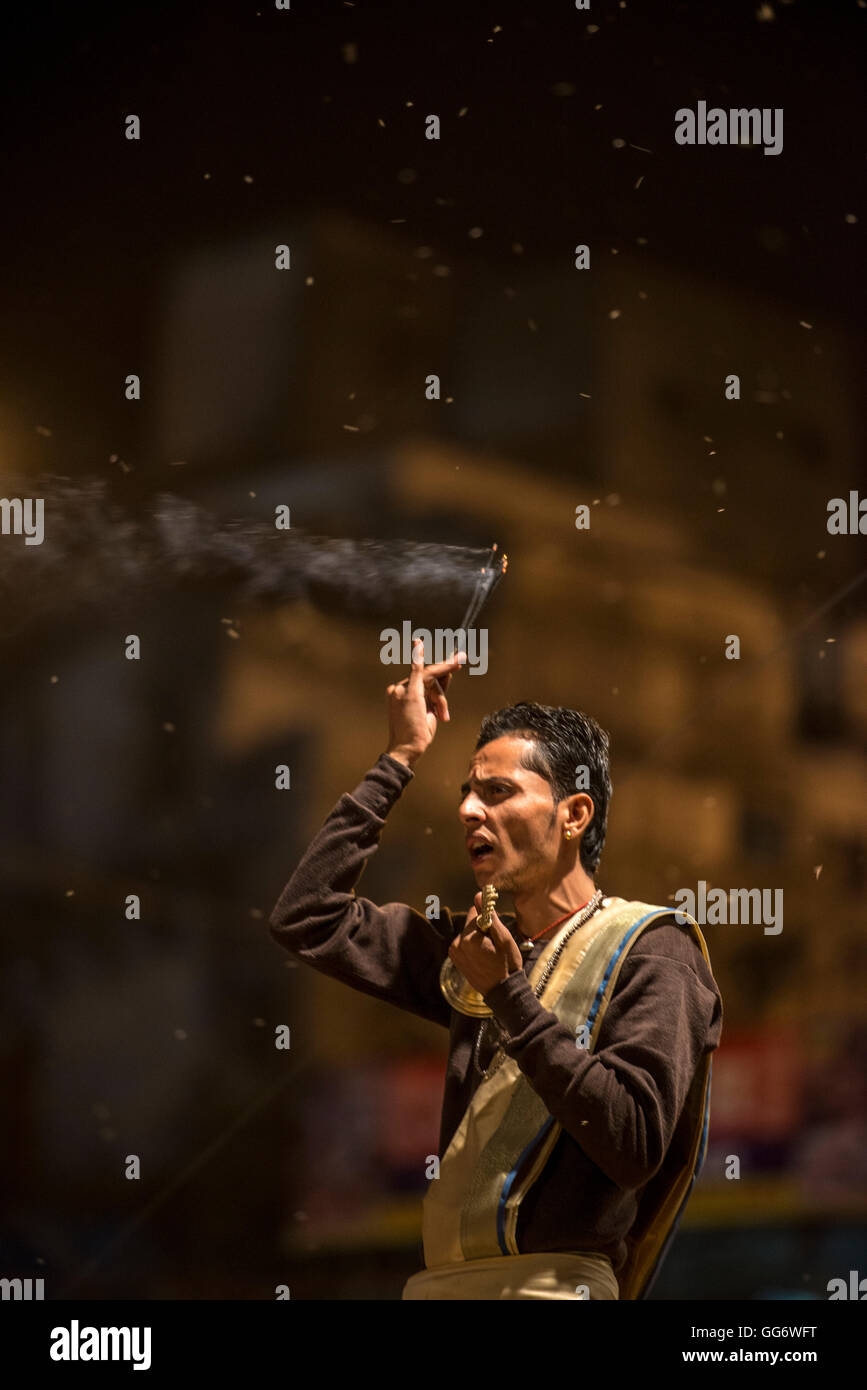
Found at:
(416, 703)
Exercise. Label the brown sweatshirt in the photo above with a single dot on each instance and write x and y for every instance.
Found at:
(617, 1106)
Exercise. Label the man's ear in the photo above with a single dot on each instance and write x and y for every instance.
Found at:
(580, 811)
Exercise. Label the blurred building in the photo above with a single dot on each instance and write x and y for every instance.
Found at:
(559, 389)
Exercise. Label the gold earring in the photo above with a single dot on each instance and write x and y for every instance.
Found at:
(568, 834)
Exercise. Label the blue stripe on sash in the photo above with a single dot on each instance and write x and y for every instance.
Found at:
(537, 1139)
(703, 1146)
(507, 1186)
(591, 1017)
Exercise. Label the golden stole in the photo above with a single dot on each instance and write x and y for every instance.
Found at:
(507, 1134)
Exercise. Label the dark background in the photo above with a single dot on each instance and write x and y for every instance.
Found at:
(156, 1037)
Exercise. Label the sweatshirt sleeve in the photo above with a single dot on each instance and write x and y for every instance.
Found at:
(391, 951)
(621, 1102)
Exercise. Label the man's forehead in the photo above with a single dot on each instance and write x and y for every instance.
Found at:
(501, 755)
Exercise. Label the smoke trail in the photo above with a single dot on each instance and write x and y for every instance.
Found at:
(96, 554)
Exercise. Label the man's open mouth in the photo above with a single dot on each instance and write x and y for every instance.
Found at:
(478, 852)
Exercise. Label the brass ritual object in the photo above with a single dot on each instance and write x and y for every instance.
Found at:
(455, 988)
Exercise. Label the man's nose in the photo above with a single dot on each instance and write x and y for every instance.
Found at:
(471, 809)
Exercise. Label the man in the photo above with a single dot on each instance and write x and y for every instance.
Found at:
(574, 1115)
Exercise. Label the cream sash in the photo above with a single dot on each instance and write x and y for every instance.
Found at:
(507, 1135)
(559, 1275)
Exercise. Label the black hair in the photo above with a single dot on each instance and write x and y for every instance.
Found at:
(564, 741)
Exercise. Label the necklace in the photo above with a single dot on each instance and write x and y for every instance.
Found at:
(527, 943)
(584, 916)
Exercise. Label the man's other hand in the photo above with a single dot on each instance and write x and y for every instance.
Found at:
(485, 958)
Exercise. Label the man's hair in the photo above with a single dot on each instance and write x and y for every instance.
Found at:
(564, 742)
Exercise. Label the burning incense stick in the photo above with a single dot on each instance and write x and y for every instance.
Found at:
(489, 577)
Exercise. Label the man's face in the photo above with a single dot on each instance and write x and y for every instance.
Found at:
(510, 814)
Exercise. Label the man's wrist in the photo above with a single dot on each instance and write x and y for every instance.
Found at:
(403, 755)
(382, 785)
(513, 1002)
